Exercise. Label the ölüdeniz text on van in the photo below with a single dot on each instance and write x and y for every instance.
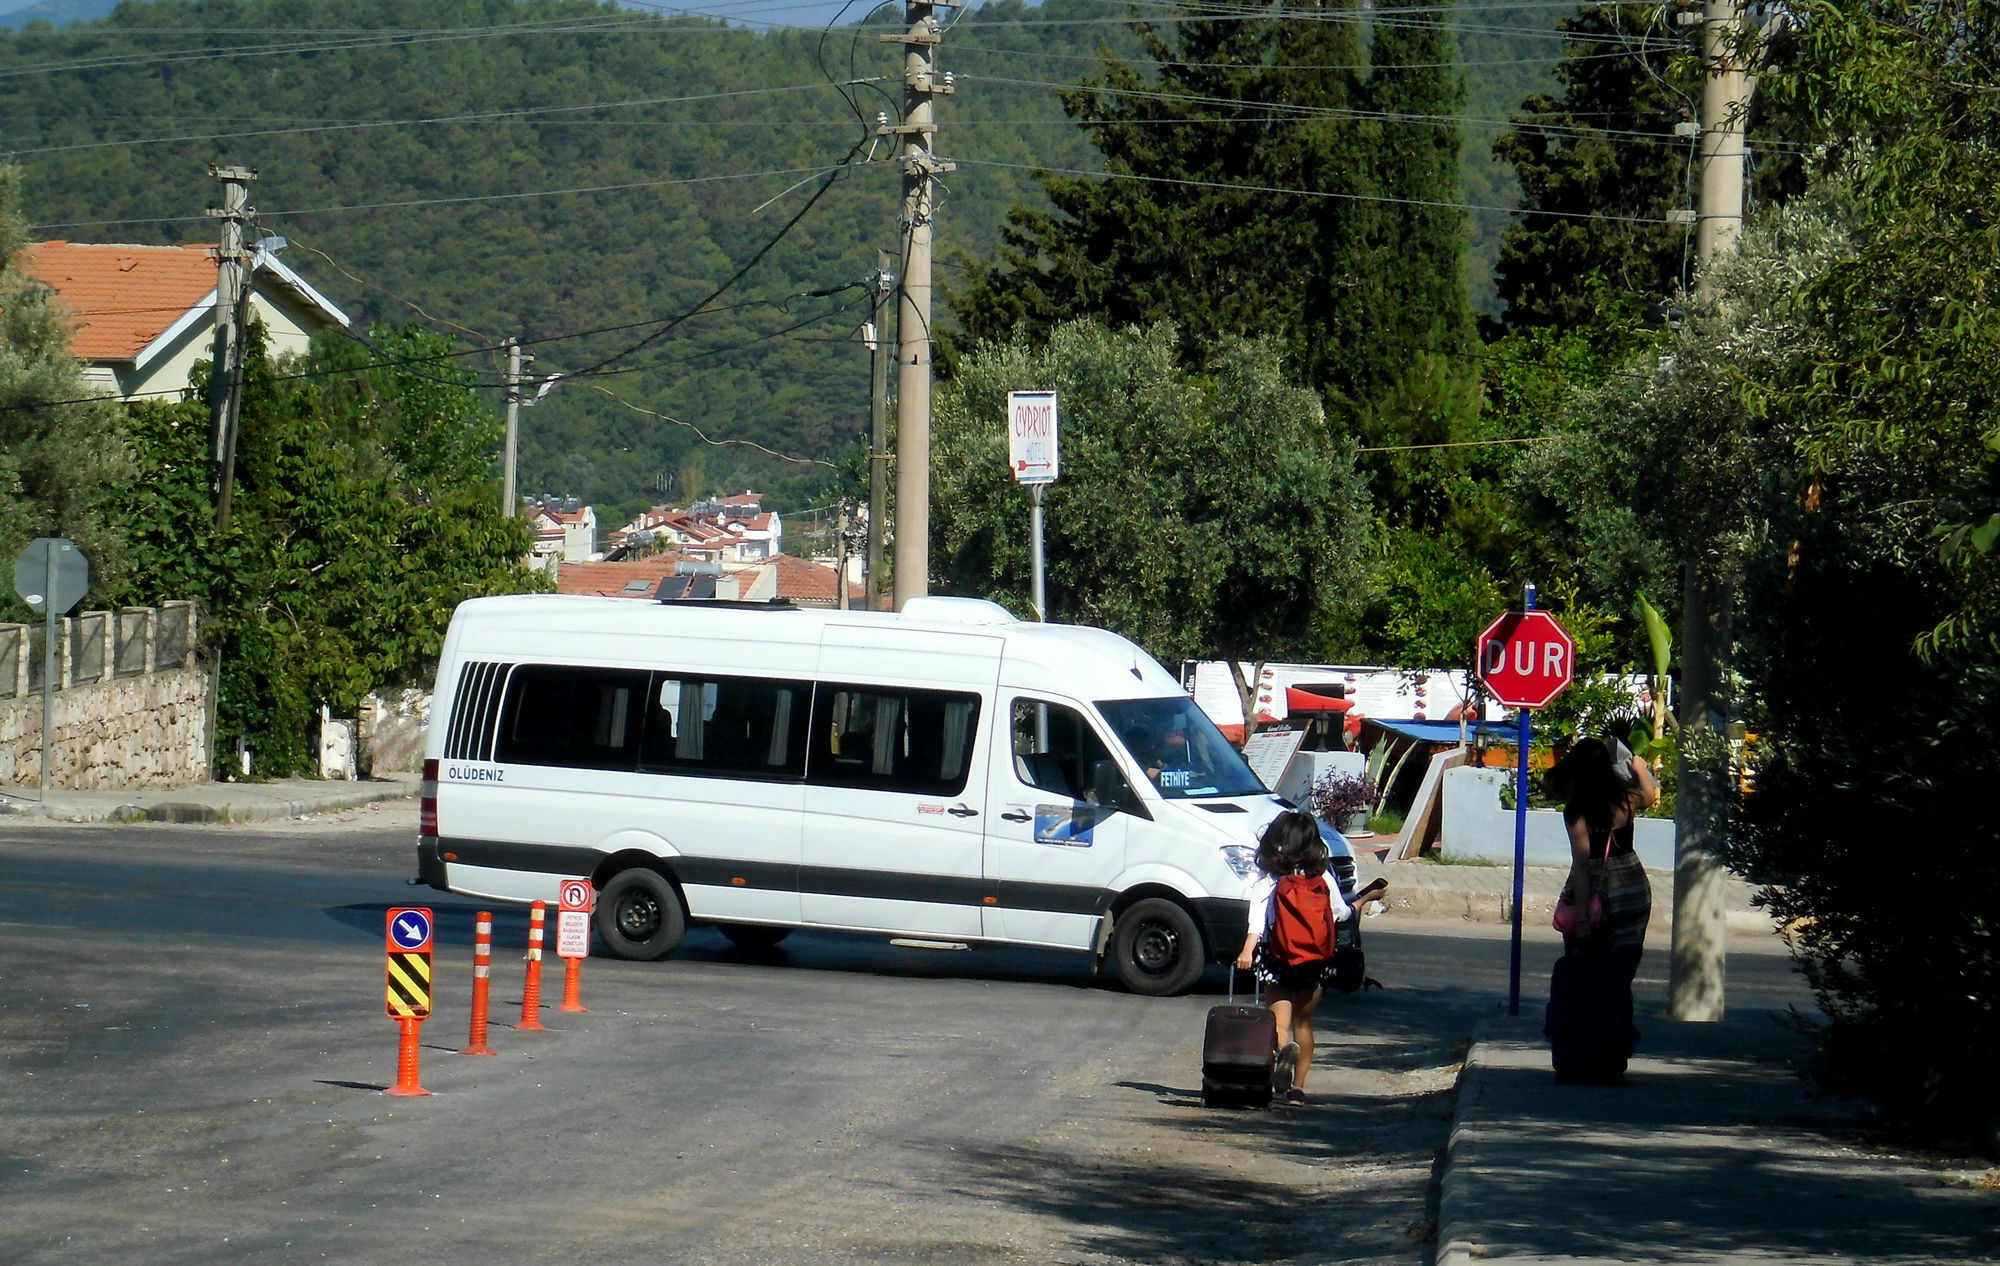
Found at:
(946, 773)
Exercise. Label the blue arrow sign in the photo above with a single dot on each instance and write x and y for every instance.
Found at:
(411, 930)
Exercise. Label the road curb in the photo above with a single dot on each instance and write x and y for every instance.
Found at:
(264, 811)
(239, 803)
(1456, 1243)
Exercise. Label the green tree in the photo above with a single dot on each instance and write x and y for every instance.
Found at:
(1873, 651)
(1167, 525)
(1267, 185)
(61, 451)
(364, 513)
(1601, 164)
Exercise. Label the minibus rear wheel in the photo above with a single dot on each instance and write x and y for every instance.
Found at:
(1156, 948)
(640, 916)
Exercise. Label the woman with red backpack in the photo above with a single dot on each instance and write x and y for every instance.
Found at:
(1289, 946)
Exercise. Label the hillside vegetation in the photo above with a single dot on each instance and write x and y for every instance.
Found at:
(548, 168)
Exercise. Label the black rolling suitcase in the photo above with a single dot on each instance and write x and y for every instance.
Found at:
(1238, 1052)
(1589, 1022)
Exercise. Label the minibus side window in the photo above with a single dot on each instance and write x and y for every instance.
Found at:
(891, 739)
(581, 718)
(734, 727)
(1055, 750)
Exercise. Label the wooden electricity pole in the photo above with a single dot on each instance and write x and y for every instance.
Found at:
(232, 288)
(883, 284)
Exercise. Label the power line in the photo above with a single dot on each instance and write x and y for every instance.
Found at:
(1097, 58)
(482, 117)
(1298, 110)
(1315, 193)
(703, 436)
(465, 198)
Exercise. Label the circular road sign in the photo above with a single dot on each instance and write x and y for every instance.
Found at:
(1526, 659)
(573, 894)
(410, 929)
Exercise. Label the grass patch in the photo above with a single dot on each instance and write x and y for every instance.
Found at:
(1387, 822)
(1439, 859)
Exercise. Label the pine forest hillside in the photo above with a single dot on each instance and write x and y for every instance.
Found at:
(577, 174)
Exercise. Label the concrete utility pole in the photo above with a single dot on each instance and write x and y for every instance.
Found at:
(232, 287)
(515, 356)
(1727, 87)
(921, 167)
(884, 284)
(1700, 946)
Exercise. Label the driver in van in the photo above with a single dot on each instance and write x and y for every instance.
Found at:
(1170, 749)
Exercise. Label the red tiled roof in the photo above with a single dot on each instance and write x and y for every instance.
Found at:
(799, 580)
(746, 499)
(127, 296)
(610, 579)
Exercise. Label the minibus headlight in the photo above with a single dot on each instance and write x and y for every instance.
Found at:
(1241, 858)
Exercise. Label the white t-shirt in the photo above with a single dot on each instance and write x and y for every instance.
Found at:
(1264, 911)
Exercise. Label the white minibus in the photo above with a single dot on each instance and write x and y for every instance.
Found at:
(946, 774)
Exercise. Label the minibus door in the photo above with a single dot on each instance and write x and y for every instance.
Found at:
(1051, 854)
(895, 804)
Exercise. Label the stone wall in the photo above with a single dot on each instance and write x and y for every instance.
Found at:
(131, 703)
(392, 725)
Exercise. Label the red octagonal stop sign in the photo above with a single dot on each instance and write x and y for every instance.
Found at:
(1526, 659)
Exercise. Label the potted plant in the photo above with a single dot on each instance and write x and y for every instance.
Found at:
(1342, 801)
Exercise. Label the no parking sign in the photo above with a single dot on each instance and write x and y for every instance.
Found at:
(573, 901)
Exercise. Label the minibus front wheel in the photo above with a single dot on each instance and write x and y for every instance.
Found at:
(1156, 948)
(640, 916)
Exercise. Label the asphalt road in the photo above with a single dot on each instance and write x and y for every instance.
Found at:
(193, 1041)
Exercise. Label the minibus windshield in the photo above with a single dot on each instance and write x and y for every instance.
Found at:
(1180, 749)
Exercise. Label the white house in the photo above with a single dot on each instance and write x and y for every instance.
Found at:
(563, 529)
(733, 529)
(147, 313)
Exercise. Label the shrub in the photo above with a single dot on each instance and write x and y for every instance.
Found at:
(1335, 796)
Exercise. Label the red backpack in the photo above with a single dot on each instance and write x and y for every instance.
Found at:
(1302, 932)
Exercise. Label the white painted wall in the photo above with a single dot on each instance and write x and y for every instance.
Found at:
(287, 332)
(1307, 767)
(1476, 826)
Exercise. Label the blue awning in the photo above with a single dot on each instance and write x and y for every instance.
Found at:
(1444, 732)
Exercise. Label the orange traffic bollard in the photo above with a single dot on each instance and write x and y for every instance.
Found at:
(406, 992)
(482, 984)
(406, 1060)
(572, 976)
(531, 991)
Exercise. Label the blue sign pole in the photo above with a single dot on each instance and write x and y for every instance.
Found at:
(1520, 836)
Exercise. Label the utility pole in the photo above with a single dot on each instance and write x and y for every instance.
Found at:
(917, 134)
(515, 357)
(840, 557)
(884, 285)
(1699, 960)
(232, 286)
(1727, 85)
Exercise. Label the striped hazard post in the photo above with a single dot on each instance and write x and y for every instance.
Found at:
(531, 989)
(482, 983)
(407, 997)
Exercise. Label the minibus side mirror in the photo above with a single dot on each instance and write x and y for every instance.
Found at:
(1109, 788)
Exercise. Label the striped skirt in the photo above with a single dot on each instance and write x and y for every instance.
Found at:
(1628, 900)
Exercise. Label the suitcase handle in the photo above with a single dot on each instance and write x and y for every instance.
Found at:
(1257, 986)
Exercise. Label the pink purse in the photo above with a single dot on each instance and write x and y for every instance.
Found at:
(1565, 918)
